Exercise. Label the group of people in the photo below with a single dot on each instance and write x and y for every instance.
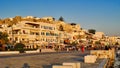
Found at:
(82, 48)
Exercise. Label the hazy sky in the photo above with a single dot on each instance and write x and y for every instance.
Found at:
(101, 15)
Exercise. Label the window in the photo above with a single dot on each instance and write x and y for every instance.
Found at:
(50, 28)
(56, 34)
(45, 27)
(23, 39)
(31, 33)
(10, 38)
(42, 33)
(16, 38)
(43, 39)
(47, 34)
(23, 31)
(37, 33)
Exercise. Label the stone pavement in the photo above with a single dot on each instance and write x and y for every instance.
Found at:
(46, 60)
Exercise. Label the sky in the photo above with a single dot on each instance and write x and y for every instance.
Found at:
(101, 15)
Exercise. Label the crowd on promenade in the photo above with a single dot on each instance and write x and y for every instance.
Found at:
(84, 47)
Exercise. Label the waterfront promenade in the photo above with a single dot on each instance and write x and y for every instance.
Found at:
(45, 60)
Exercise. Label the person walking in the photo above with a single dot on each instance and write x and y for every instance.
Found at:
(82, 48)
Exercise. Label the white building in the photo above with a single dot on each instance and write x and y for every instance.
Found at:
(98, 35)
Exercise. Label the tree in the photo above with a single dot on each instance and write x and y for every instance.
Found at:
(53, 19)
(73, 23)
(97, 42)
(3, 40)
(61, 19)
(92, 31)
(3, 37)
(74, 43)
(19, 46)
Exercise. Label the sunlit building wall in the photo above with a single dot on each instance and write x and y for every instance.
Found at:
(33, 34)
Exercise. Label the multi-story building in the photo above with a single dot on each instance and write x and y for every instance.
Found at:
(113, 40)
(33, 34)
(98, 35)
(43, 32)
